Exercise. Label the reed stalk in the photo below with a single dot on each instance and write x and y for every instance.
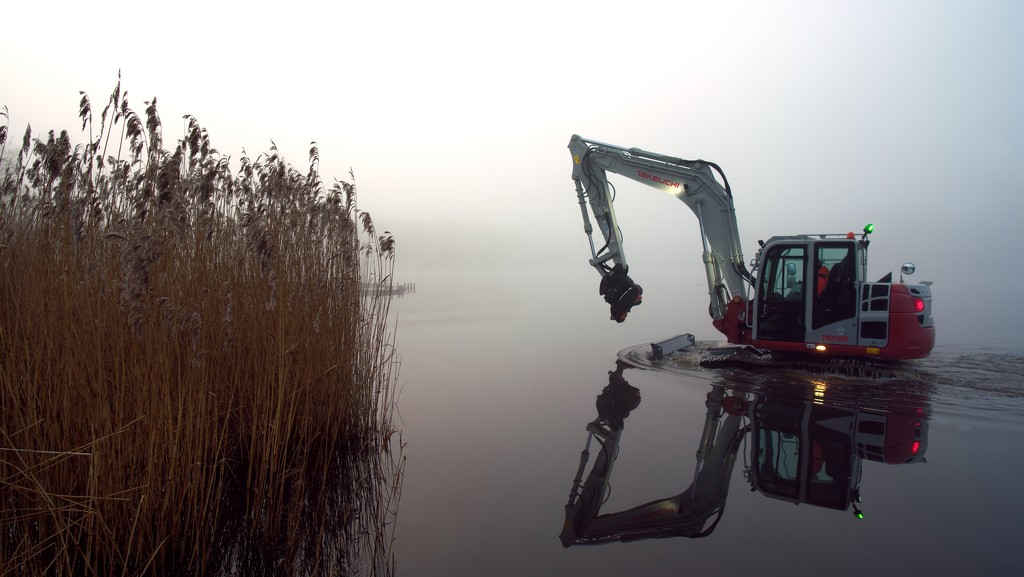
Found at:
(191, 380)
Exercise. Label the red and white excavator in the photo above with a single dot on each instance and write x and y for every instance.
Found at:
(806, 293)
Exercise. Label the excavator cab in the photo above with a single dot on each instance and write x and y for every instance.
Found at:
(807, 292)
(812, 295)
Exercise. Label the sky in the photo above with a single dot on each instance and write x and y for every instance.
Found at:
(454, 117)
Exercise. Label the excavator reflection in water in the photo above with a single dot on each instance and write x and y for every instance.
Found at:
(804, 448)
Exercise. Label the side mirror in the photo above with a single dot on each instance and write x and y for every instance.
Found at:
(907, 270)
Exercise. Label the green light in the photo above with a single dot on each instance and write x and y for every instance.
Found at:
(869, 228)
(859, 515)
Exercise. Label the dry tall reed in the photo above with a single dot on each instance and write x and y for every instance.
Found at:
(191, 380)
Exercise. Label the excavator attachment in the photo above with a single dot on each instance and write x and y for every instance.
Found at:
(620, 292)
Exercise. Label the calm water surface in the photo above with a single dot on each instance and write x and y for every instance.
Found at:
(501, 376)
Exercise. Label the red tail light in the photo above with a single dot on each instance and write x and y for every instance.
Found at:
(919, 305)
(915, 447)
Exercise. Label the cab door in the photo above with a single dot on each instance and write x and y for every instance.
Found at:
(781, 294)
(834, 300)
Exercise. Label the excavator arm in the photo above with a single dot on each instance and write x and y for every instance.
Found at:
(691, 181)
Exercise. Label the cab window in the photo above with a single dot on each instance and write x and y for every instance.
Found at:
(835, 286)
(784, 274)
(782, 294)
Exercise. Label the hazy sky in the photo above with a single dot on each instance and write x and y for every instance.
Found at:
(455, 117)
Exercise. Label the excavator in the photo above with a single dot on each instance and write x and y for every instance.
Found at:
(807, 444)
(805, 294)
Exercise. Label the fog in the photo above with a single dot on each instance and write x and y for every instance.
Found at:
(454, 118)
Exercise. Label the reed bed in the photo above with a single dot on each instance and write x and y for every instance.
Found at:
(191, 380)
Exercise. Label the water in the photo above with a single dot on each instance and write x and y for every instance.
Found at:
(500, 375)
